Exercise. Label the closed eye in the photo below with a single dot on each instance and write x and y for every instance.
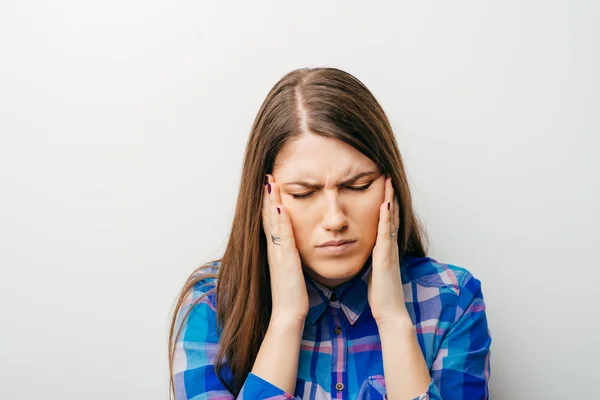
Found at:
(355, 189)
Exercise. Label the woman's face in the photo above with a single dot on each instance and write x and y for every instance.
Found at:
(336, 208)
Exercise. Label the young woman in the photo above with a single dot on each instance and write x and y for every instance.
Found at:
(325, 290)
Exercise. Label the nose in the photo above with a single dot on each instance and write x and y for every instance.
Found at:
(334, 218)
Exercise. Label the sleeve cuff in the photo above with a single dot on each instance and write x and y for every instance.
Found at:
(432, 392)
(257, 388)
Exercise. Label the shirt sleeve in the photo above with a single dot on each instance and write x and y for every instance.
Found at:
(461, 368)
(193, 364)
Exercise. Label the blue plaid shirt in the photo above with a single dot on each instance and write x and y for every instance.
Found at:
(340, 355)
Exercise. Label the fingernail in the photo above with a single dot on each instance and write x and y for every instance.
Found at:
(269, 187)
(388, 205)
(278, 211)
(266, 179)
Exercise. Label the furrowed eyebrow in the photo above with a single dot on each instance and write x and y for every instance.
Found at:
(317, 186)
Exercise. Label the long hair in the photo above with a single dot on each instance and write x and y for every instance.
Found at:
(322, 101)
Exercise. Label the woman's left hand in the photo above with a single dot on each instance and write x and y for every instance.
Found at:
(385, 294)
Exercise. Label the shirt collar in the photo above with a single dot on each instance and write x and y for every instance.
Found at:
(352, 296)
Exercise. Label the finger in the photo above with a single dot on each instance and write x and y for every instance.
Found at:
(285, 225)
(396, 212)
(288, 243)
(390, 199)
(396, 225)
(273, 214)
(266, 212)
(384, 227)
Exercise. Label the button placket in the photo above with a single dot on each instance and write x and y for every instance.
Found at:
(339, 354)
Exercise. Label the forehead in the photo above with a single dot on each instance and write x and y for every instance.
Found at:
(318, 157)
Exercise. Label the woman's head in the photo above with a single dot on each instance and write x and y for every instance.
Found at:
(332, 192)
(322, 127)
(319, 126)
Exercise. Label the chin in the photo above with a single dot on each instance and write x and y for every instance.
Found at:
(335, 271)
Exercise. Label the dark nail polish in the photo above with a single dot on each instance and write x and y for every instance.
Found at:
(278, 211)
(388, 205)
(266, 179)
(269, 187)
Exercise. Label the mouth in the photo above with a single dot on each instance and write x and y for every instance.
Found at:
(339, 249)
(336, 243)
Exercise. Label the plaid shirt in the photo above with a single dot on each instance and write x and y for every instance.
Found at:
(340, 355)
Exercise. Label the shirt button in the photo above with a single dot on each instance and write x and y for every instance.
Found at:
(339, 387)
(338, 330)
(333, 297)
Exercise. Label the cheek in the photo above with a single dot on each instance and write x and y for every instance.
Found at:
(372, 217)
(300, 224)
(367, 213)
(370, 203)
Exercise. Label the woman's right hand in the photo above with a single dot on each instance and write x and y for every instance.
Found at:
(288, 287)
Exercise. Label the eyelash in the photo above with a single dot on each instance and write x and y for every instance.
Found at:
(303, 196)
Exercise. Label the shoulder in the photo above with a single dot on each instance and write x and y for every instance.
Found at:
(441, 297)
(195, 333)
(431, 273)
(205, 279)
(199, 304)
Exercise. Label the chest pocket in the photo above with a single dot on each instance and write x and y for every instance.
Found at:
(373, 389)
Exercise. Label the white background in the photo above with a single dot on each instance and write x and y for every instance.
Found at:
(123, 126)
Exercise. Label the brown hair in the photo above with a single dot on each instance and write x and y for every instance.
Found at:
(323, 101)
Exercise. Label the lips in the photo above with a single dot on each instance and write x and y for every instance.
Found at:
(335, 242)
